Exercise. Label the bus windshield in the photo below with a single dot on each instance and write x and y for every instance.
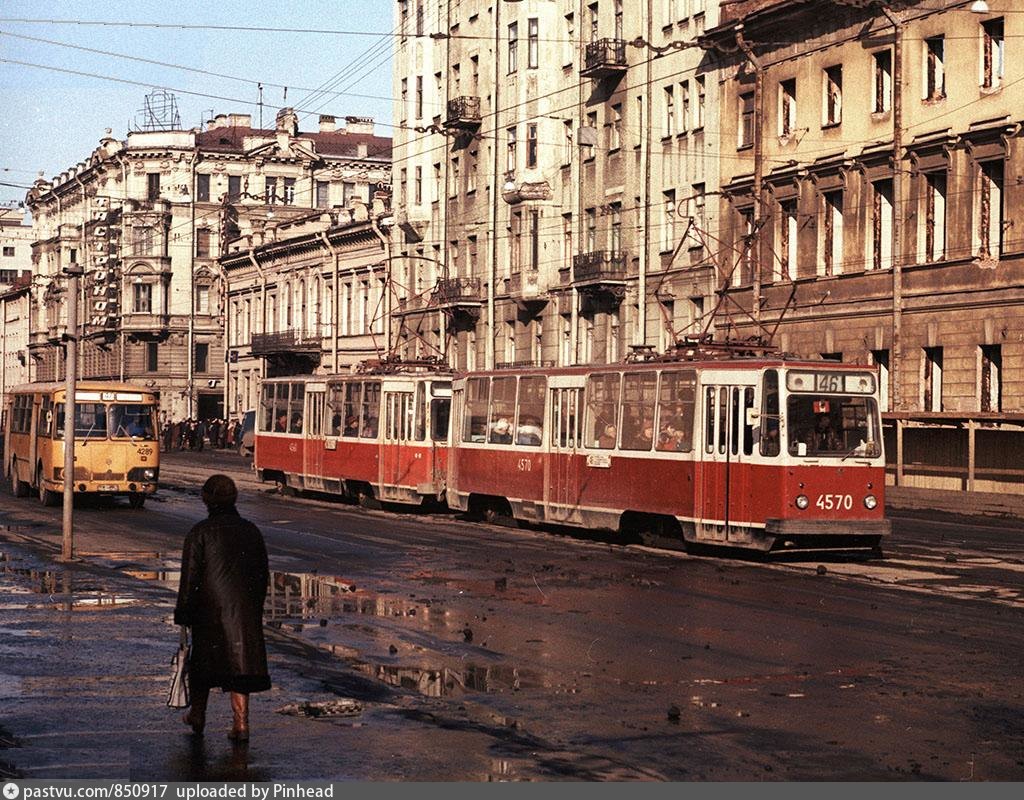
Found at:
(833, 426)
(90, 421)
(131, 422)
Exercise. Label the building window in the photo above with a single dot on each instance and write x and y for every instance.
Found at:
(989, 233)
(404, 97)
(270, 195)
(590, 142)
(684, 106)
(471, 172)
(831, 261)
(698, 117)
(152, 185)
(532, 43)
(323, 194)
(934, 69)
(592, 11)
(566, 142)
(513, 46)
(570, 45)
(697, 208)
(534, 239)
(591, 232)
(832, 102)
(991, 377)
(746, 274)
(668, 226)
(202, 357)
(566, 239)
(531, 145)
(745, 125)
(615, 128)
(787, 240)
(419, 17)
(931, 384)
(618, 19)
(515, 239)
(202, 299)
(880, 358)
(234, 188)
(142, 298)
(203, 242)
(419, 97)
(455, 175)
(615, 228)
(8, 252)
(152, 353)
(142, 240)
(992, 45)
(289, 191)
(670, 110)
(417, 186)
(881, 88)
(932, 235)
(510, 153)
(203, 188)
(881, 224)
(436, 191)
(787, 107)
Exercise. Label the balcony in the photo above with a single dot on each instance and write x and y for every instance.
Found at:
(296, 341)
(600, 272)
(460, 299)
(604, 58)
(524, 288)
(463, 113)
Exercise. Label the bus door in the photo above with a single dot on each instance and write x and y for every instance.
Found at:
(313, 452)
(724, 479)
(563, 468)
(395, 450)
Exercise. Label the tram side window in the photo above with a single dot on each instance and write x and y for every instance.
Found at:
(440, 410)
(639, 390)
(770, 414)
(281, 408)
(266, 420)
(371, 410)
(420, 428)
(602, 395)
(748, 429)
(475, 429)
(295, 408)
(335, 409)
(503, 410)
(353, 393)
(709, 419)
(676, 400)
(723, 417)
(530, 419)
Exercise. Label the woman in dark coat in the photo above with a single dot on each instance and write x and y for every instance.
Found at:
(223, 585)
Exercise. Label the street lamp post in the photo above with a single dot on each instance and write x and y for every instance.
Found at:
(74, 271)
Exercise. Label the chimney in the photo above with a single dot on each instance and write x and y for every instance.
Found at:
(328, 124)
(219, 121)
(287, 121)
(240, 120)
(359, 125)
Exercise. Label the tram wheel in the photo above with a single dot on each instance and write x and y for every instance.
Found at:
(284, 489)
(136, 500)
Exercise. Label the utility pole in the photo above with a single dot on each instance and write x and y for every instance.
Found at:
(74, 271)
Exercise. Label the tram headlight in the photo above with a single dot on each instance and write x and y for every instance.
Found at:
(870, 501)
(802, 502)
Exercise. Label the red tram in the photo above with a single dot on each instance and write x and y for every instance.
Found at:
(381, 434)
(759, 453)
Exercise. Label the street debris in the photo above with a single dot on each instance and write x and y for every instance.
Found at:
(322, 709)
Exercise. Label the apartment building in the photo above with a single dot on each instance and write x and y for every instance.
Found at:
(15, 246)
(147, 218)
(308, 296)
(551, 173)
(870, 211)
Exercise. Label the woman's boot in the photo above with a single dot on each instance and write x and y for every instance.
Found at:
(195, 717)
(240, 710)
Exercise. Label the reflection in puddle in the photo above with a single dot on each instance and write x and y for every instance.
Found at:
(447, 681)
(60, 587)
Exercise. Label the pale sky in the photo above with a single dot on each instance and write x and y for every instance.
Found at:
(51, 120)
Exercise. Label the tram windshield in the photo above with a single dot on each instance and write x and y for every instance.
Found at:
(833, 426)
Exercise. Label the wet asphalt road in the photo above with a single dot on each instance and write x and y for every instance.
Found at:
(480, 652)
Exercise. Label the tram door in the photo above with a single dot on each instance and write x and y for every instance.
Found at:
(725, 481)
(313, 450)
(562, 484)
(395, 451)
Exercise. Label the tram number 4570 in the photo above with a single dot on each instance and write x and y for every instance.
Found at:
(834, 502)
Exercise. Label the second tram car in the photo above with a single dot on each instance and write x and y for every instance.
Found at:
(758, 453)
(380, 434)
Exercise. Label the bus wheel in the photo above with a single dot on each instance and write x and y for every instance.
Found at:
(46, 497)
(18, 487)
(136, 500)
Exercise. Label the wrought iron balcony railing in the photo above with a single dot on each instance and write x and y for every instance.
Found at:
(285, 342)
(463, 112)
(604, 57)
(599, 265)
(455, 291)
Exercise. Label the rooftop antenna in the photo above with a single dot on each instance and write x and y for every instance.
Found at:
(159, 112)
(260, 87)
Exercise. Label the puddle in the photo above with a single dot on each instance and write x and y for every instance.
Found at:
(447, 682)
(61, 588)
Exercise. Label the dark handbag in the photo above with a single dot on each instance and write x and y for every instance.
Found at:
(178, 696)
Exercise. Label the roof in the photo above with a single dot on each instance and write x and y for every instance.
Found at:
(231, 139)
(80, 386)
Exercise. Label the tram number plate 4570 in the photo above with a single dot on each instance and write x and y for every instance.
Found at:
(834, 502)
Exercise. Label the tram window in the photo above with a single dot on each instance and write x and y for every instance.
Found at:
(734, 438)
(748, 429)
(770, 414)
(723, 418)
(267, 408)
(676, 400)
(352, 397)
(440, 410)
(709, 419)
(530, 419)
(281, 408)
(370, 410)
(639, 390)
(602, 398)
(421, 412)
(503, 410)
(295, 408)
(476, 410)
(833, 425)
(335, 409)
